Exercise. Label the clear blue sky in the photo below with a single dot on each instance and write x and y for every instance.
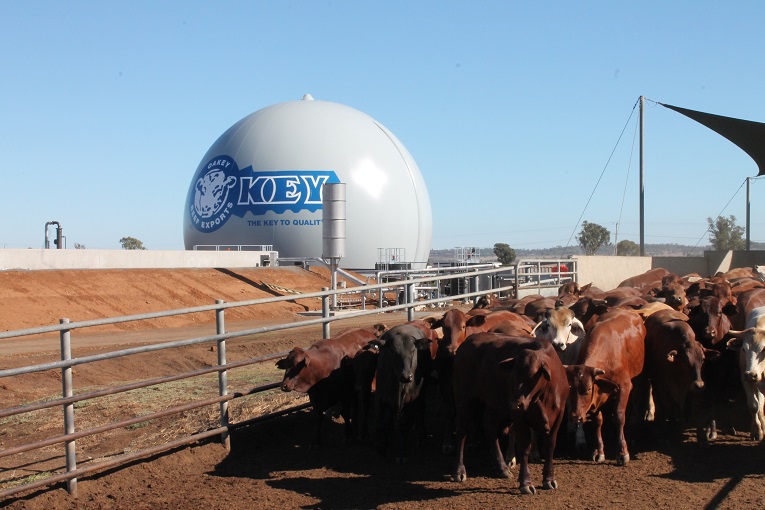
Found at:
(510, 109)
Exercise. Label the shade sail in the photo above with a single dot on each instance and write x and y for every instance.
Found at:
(748, 135)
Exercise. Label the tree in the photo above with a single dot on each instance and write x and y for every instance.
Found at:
(131, 243)
(628, 248)
(724, 234)
(504, 253)
(592, 237)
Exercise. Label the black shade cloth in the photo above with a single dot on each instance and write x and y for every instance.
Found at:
(747, 134)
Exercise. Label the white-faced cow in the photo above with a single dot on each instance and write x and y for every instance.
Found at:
(751, 351)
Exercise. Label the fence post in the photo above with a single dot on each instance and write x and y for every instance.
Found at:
(476, 285)
(409, 299)
(325, 313)
(220, 329)
(68, 391)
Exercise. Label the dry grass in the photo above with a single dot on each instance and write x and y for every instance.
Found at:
(37, 425)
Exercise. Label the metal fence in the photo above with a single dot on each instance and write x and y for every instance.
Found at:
(407, 287)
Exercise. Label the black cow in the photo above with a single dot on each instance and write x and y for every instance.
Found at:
(403, 366)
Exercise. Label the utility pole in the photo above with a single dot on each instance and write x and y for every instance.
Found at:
(642, 184)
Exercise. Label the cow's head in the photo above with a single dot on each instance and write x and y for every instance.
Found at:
(587, 309)
(398, 349)
(673, 293)
(710, 319)
(486, 301)
(569, 293)
(297, 373)
(453, 325)
(687, 361)
(589, 390)
(560, 327)
(529, 372)
(751, 346)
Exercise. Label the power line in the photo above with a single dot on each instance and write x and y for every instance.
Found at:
(718, 215)
(568, 243)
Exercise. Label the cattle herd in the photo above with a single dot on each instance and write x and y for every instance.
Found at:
(527, 375)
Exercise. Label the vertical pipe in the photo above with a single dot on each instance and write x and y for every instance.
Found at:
(748, 218)
(325, 313)
(476, 288)
(220, 329)
(409, 299)
(333, 263)
(68, 391)
(642, 184)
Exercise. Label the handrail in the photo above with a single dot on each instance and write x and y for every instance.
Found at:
(68, 399)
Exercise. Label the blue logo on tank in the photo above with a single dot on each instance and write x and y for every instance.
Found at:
(222, 190)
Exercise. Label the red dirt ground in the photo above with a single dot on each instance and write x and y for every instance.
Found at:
(270, 464)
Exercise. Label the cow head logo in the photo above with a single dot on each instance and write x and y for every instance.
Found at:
(213, 195)
(221, 190)
(212, 192)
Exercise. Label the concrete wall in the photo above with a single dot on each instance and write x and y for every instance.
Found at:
(607, 272)
(34, 259)
(683, 265)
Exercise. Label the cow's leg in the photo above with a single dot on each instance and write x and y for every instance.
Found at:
(548, 442)
(403, 425)
(510, 458)
(753, 406)
(384, 425)
(492, 430)
(620, 417)
(756, 406)
(523, 450)
(318, 417)
(363, 400)
(761, 415)
(459, 474)
(348, 412)
(599, 454)
(445, 375)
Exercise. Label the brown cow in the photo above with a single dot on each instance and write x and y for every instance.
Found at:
(651, 279)
(747, 301)
(492, 301)
(456, 327)
(672, 292)
(518, 381)
(520, 305)
(710, 321)
(620, 293)
(569, 293)
(673, 361)
(744, 272)
(537, 308)
(319, 371)
(741, 285)
(610, 365)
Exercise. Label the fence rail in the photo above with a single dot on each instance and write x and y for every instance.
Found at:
(404, 287)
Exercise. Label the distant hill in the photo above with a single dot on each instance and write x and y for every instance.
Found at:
(657, 250)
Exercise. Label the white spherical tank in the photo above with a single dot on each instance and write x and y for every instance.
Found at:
(261, 183)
